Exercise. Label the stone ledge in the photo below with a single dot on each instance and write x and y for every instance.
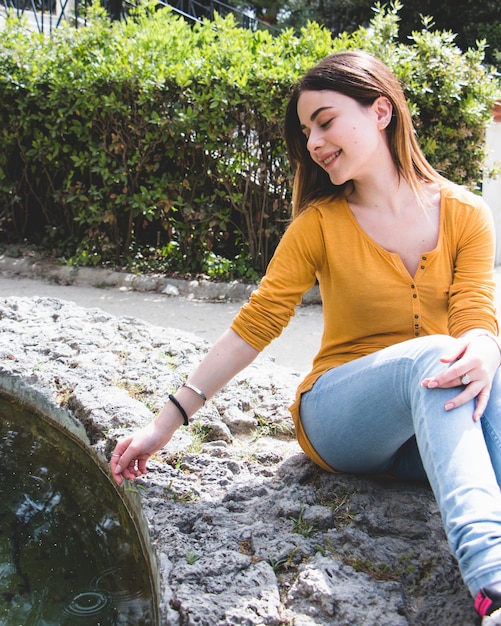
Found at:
(246, 530)
(36, 266)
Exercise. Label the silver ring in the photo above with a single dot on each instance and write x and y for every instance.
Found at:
(465, 380)
(115, 455)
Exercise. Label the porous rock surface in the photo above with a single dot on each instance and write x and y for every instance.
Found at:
(245, 528)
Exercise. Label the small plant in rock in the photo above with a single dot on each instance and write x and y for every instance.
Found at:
(327, 548)
(268, 428)
(171, 361)
(174, 461)
(63, 392)
(378, 571)
(382, 571)
(134, 488)
(340, 506)
(37, 365)
(135, 390)
(301, 526)
(285, 564)
(191, 557)
(175, 496)
(200, 433)
(138, 392)
(278, 564)
(248, 457)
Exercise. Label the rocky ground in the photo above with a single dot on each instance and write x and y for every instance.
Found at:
(245, 529)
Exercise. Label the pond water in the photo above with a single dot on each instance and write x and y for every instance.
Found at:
(70, 550)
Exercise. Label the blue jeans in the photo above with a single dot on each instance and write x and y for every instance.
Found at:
(372, 415)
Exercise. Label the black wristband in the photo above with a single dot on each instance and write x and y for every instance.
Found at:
(175, 402)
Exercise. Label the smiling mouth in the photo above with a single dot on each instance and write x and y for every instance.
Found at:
(331, 158)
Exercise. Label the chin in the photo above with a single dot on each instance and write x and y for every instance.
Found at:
(337, 180)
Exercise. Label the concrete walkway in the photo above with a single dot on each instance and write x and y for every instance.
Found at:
(294, 349)
(190, 310)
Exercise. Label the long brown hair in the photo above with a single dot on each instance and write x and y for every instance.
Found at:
(364, 78)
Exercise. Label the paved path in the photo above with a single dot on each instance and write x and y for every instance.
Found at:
(294, 349)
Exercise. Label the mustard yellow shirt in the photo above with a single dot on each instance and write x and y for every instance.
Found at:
(370, 301)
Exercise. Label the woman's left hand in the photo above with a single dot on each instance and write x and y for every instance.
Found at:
(475, 362)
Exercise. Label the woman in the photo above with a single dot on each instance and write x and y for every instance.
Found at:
(409, 356)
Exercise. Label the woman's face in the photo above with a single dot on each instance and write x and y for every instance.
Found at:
(344, 138)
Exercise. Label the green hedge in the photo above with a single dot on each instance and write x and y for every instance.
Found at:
(154, 142)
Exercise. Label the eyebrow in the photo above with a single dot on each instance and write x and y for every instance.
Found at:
(316, 113)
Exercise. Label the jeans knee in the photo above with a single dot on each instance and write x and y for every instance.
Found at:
(429, 351)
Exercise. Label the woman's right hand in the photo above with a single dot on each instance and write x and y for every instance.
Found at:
(228, 356)
(131, 453)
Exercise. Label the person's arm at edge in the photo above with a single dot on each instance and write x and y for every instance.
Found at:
(227, 357)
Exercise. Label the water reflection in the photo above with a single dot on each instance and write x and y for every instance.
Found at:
(69, 552)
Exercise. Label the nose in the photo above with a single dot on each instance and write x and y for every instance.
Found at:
(314, 142)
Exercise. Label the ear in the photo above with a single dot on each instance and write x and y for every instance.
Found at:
(383, 109)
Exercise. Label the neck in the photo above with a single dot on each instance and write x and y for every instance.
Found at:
(388, 194)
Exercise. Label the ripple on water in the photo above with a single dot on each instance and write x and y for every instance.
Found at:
(88, 603)
(58, 540)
